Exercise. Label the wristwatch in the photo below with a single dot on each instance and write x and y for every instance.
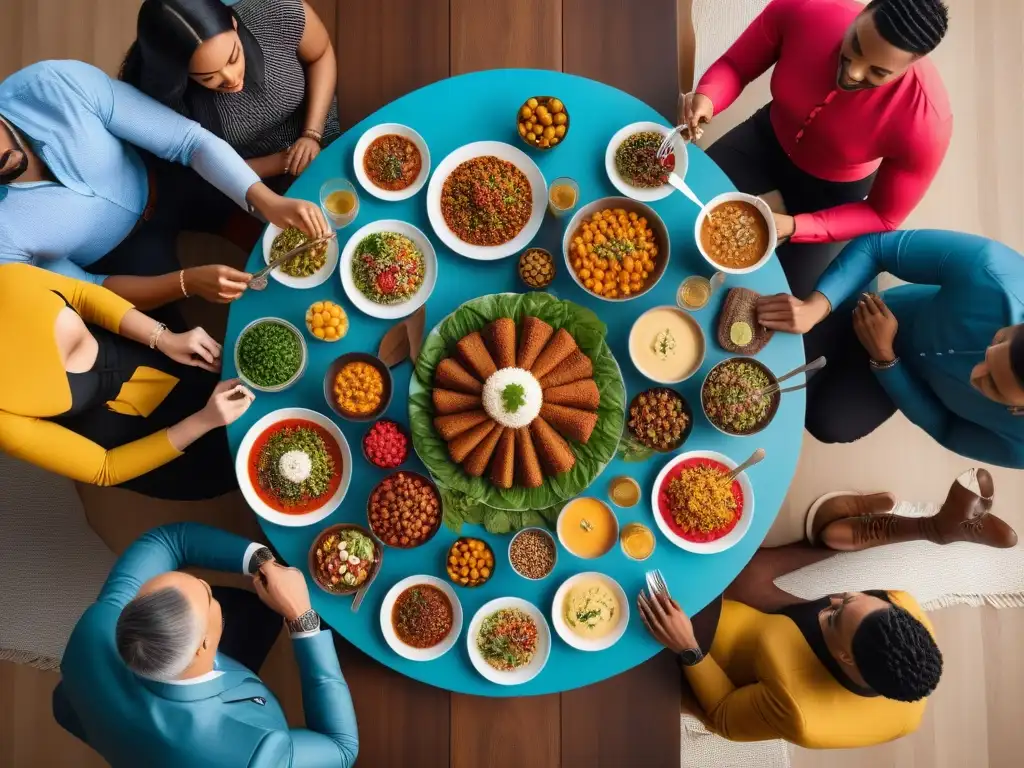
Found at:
(307, 622)
(691, 656)
(259, 557)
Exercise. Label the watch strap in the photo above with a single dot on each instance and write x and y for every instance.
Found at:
(691, 656)
(307, 622)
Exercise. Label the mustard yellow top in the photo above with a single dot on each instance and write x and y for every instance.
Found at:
(761, 680)
(34, 384)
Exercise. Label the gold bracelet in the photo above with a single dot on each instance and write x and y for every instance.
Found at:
(154, 337)
(181, 282)
(316, 136)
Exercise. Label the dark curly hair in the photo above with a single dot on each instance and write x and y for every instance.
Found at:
(915, 26)
(896, 655)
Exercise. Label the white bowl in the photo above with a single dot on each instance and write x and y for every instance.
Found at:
(540, 658)
(654, 222)
(502, 151)
(766, 212)
(689, 320)
(242, 468)
(414, 302)
(644, 194)
(317, 278)
(581, 643)
(407, 651)
(302, 347)
(718, 545)
(368, 137)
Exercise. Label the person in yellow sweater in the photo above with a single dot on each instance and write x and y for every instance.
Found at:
(97, 391)
(846, 670)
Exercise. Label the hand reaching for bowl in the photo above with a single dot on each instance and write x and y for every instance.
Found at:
(216, 283)
(785, 226)
(195, 347)
(782, 312)
(667, 622)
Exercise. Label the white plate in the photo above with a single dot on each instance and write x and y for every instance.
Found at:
(407, 651)
(540, 658)
(502, 151)
(727, 541)
(242, 468)
(414, 302)
(317, 278)
(639, 193)
(368, 137)
(763, 209)
(581, 643)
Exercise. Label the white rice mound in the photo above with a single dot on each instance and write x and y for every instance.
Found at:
(494, 405)
(295, 466)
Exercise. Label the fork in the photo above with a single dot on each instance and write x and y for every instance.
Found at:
(656, 583)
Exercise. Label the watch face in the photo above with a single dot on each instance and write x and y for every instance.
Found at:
(691, 656)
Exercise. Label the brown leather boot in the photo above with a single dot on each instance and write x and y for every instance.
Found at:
(966, 514)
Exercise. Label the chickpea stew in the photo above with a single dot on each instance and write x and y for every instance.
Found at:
(614, 253)
(404, 510)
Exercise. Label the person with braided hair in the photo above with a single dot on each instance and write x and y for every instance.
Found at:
(845, 670)
(857, 128)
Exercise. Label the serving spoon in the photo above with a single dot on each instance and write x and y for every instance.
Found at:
(755, 458)
(259, 280)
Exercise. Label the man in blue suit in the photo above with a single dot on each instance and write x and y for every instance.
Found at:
(147, 675)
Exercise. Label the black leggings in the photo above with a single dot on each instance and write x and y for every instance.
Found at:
(250, 627)
(755, 162)
(845, 402)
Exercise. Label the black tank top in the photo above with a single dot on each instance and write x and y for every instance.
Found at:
(805, 616)
(104, 379)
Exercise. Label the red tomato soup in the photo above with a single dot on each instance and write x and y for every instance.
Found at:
(665, 510)
(305, 503)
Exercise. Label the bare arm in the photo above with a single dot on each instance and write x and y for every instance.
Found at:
(268, 166)
(317, 55)
(755, 586)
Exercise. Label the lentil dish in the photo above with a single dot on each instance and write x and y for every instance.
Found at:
(486, 201)
(404, 510)
(734, 234)
(306, 263)
(392, 162)
(636, 160)
(698, 500)
(422, 616)
(731, 397)
(614, 253)
(532, 553)
(295, 466)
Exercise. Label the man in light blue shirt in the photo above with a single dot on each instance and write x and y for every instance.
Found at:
(161, 670)
(947, 350)
(93, 185)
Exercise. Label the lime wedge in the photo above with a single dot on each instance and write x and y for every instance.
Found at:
(740, 334)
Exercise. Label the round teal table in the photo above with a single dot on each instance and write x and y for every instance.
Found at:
(449, 114)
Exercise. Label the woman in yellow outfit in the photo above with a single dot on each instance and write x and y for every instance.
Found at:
(95, 390)
(846, 670)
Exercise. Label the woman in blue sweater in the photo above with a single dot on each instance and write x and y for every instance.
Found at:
(947, 350)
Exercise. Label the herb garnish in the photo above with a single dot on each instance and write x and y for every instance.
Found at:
(514, 397)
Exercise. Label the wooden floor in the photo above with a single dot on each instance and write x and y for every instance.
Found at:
(974, 718)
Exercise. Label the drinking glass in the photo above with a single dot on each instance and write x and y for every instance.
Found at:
(558, 207)
(331, 192)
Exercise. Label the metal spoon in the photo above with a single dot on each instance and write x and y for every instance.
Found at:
(755, 457)
(259, 280)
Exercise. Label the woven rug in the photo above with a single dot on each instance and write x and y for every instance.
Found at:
(52, 564)
(937, 576)
(699, 748)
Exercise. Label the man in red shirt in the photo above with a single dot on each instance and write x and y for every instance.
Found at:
(857, 128)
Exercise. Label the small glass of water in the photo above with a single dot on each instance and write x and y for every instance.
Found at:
(695, 291)
(340, 202)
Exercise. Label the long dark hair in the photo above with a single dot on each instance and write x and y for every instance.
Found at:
(168, 33)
